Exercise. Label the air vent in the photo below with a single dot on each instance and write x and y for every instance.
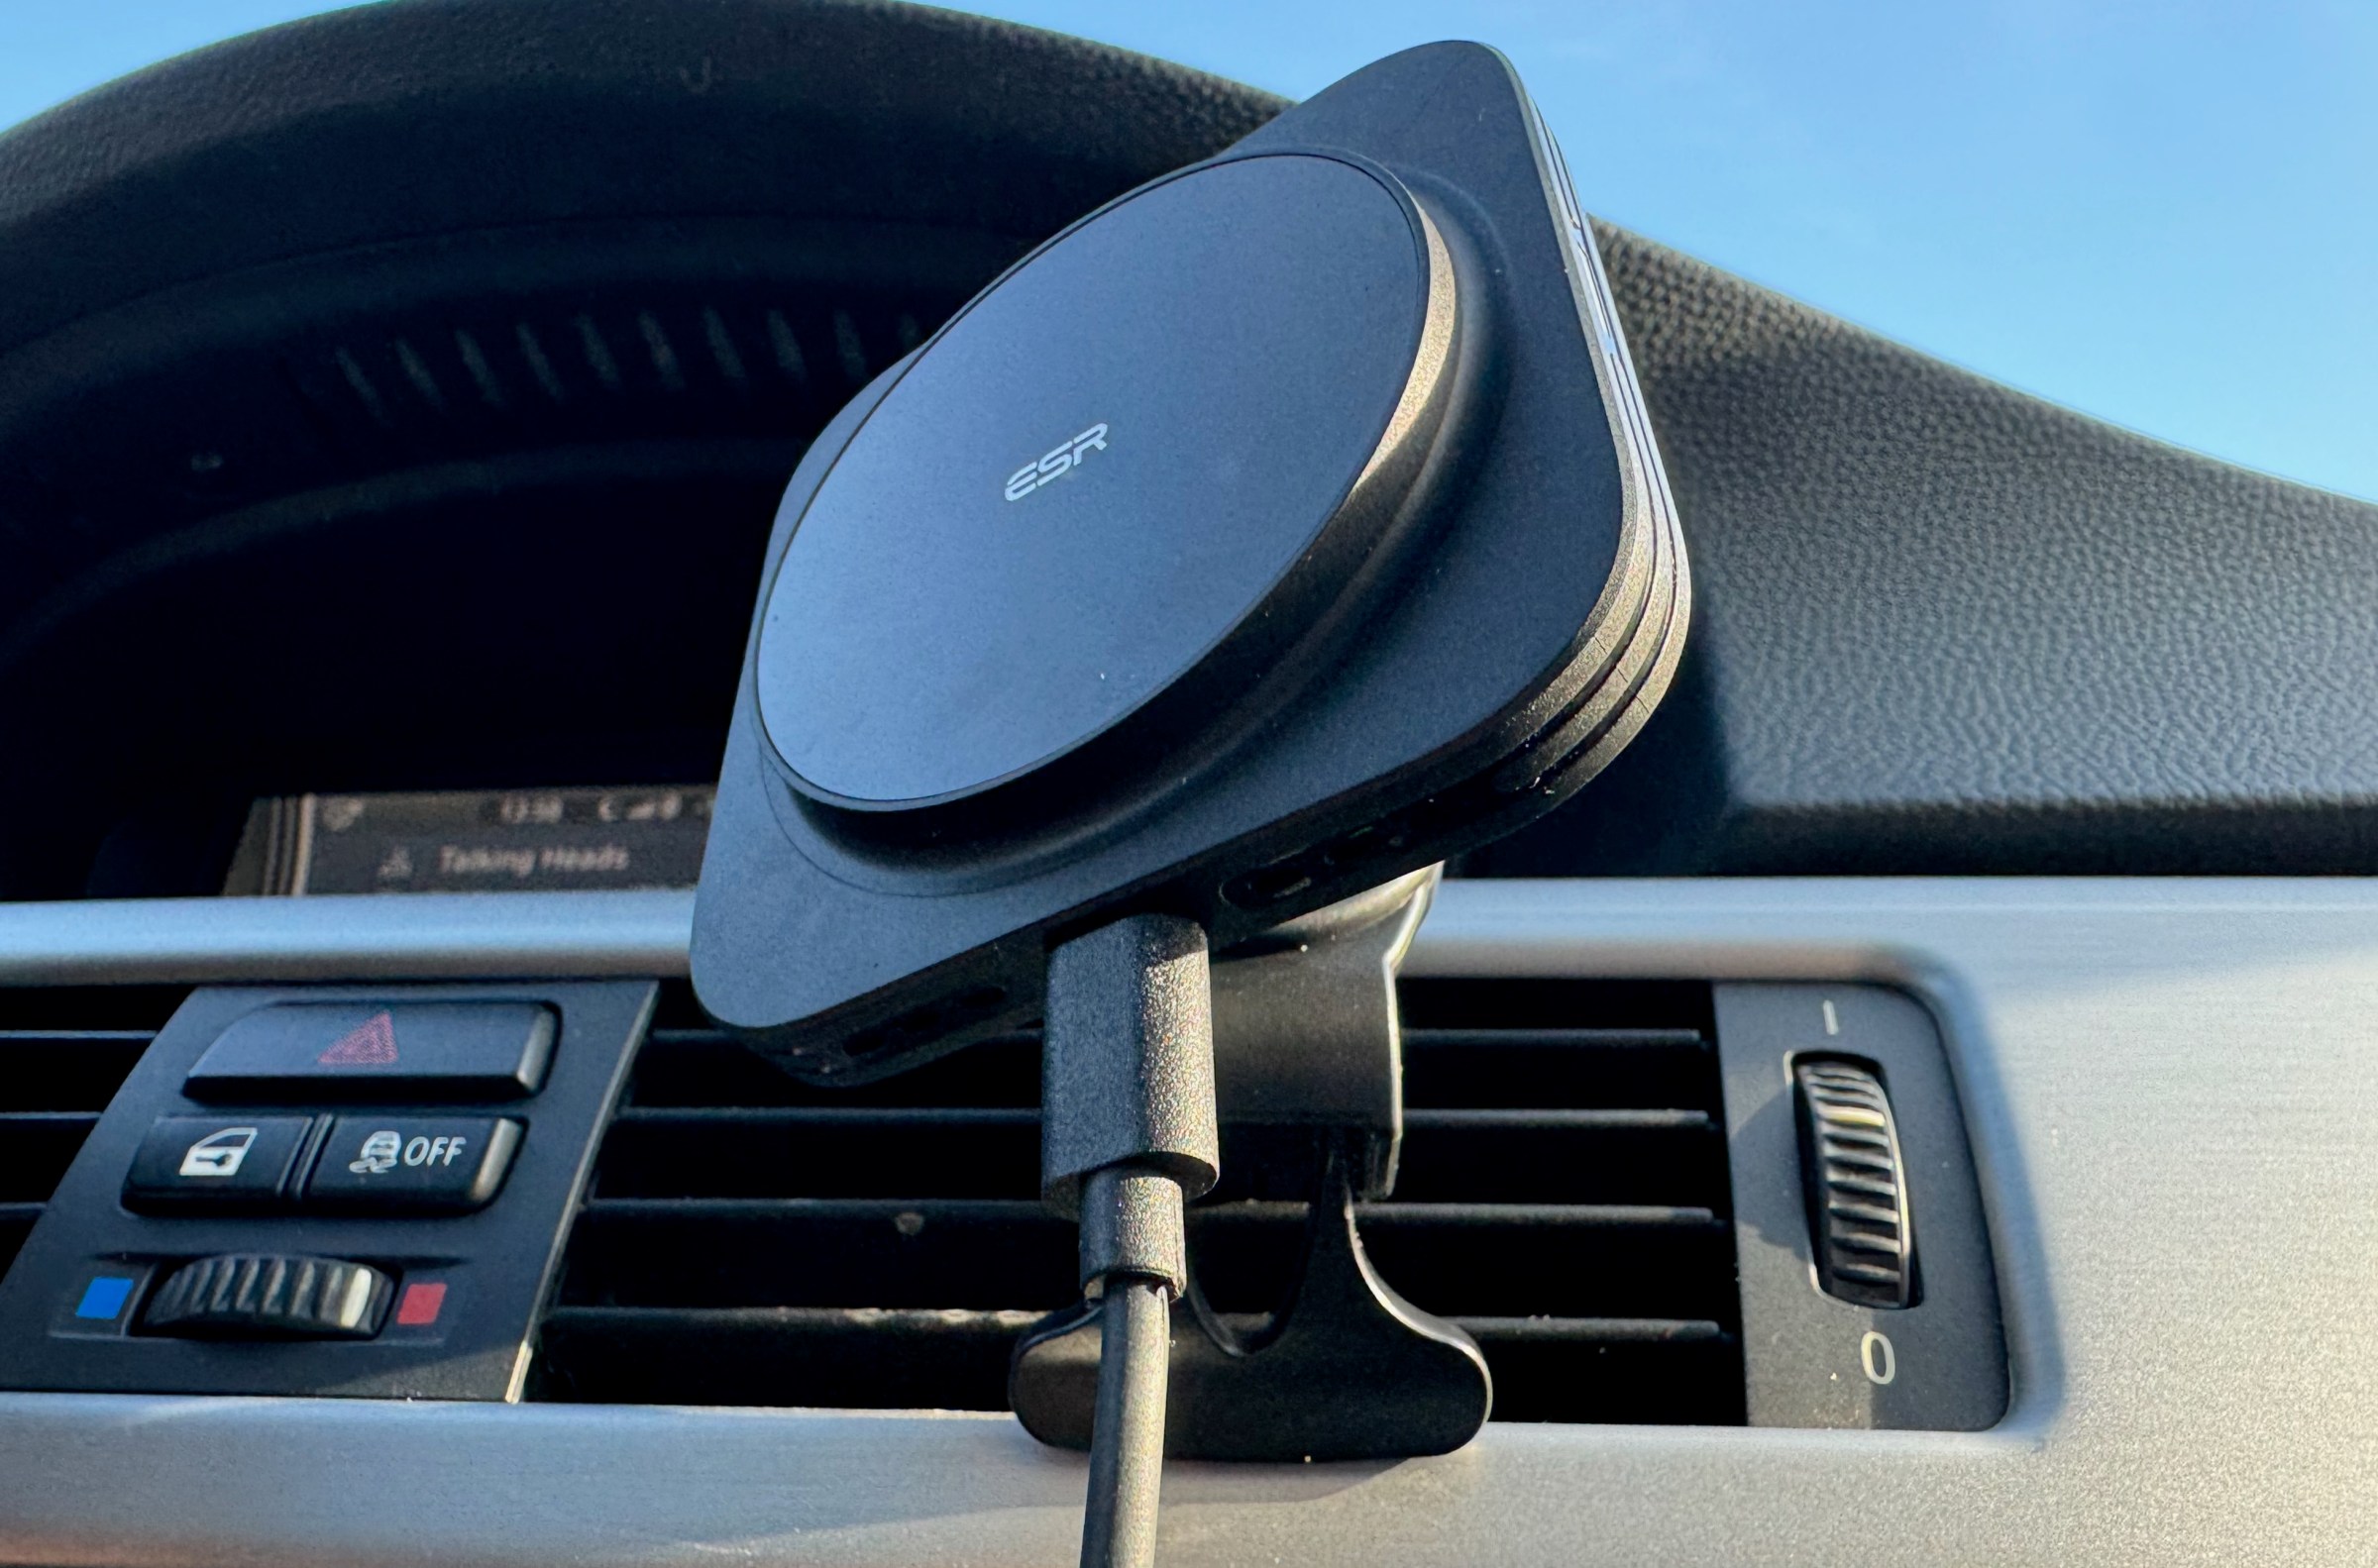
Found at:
(63, 1053)
(1564, 1195)
(717, 362)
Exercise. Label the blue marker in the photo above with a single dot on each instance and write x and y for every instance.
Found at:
(104, 1298)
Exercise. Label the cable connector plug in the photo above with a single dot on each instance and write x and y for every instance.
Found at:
(1133, 1225)
(1128, 1137)
(1127, 1064)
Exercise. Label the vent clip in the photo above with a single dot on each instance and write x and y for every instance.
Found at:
(1305, 1035)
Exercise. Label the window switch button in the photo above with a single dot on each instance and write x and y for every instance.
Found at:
(214, 1162)
(412, 1164)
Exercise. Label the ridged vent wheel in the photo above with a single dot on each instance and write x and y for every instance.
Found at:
(1857, 1185)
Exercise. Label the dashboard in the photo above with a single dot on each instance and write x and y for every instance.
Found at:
(2185, 1345)
(382, 529)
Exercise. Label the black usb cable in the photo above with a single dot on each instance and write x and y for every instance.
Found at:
(1127, 1138)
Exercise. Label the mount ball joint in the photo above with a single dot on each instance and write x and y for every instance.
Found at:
(1286, 524)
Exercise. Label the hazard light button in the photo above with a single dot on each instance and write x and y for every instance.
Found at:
(321, 1051)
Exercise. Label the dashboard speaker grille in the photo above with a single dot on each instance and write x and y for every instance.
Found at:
(751, 1240)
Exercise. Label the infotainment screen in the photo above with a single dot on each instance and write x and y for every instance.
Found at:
(474, 841)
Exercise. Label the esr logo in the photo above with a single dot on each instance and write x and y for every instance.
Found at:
(1058, 462)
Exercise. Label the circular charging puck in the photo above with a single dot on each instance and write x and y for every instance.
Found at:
(1118, 490)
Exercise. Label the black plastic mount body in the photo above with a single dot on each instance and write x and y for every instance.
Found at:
(1343, 1368)
(1511, 630)
(1306, 1034)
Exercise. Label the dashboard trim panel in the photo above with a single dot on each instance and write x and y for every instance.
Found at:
(346, 936)
(2170, 1086)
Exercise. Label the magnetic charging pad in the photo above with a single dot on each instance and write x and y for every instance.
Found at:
(1285, 525)
(1119, 488)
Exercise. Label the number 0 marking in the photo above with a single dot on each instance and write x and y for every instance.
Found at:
(1881, 1363)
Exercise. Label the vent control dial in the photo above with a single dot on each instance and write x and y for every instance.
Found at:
(270, 1296)
(1857, 1185)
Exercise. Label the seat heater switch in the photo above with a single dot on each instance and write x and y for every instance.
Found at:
(270, 1296)
(406, 1163)
(313, 1052)
(1857, 1185)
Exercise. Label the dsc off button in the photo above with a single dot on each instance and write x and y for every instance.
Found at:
(412, 1165)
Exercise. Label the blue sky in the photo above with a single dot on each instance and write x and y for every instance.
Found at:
(2164, 215)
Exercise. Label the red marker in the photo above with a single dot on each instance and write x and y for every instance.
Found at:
(421, 1304)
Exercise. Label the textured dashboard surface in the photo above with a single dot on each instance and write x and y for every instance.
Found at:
(320, 133)
(2170, 1086)
(258, 310)
(1943, 626)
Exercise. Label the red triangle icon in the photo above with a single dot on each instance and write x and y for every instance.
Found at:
(371, 1043)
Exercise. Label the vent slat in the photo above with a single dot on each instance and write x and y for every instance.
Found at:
(64, 1051)
(788, 1118)
(822, 1254)
(1658, 1379)
(687, 1067)
(1599, 1156)
(695, 1211)
(1644, 1121)
(1665, 1157)
(1375, 1217)
(799, 1119)
(1379, 1216)
(836, 1323)
(36, 1147)
(847, 1357)
(64, 1070)
(1556, 1039)
(1593, 1330)
(16, 1223)
(1562, 1194)
(1454, 1259)
(1482, 1260)
(1609, 1369)
(676, 1155)
(88, 1012)
(1484, 1068)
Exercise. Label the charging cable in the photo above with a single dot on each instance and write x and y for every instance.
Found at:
(1127, 1138)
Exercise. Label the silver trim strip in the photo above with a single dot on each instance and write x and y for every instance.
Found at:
(393, 936)
(1746, 929)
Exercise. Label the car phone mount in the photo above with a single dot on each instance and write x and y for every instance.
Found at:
(1284, 526)
(1305, 1036)
(1342, 547)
